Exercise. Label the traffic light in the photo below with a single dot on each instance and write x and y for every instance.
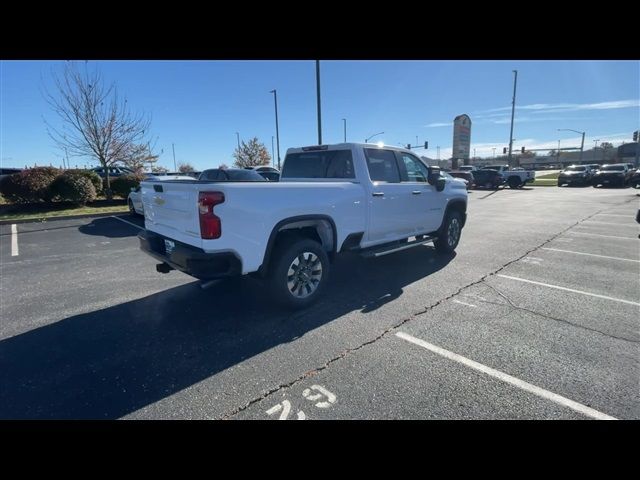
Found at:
(504, 150)
(635, 135)
(426, 145)
(522, 150)
(408, 146)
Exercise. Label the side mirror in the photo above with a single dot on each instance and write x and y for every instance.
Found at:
(440, 184)
(434, 175)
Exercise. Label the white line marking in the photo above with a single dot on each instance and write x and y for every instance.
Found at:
(132, 224)
(598, 235)
(569, 290)
(591, 254)
(14, 240)
(467, 304)
(608, 223)
(516, 382)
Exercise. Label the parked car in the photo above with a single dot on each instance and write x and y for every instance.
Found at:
(513, 178)
(612, 174)
(575, 175)
(113, 171)
(467, 168)
(634, 181)
(231, 175)
(330, 199)
(487, 179)
(269, 173)
(134, 200)
(5, 172)
(464, 175)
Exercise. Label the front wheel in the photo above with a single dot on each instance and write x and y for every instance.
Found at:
(514, 182)
(299, 273)
(449, 234)
(132, 210)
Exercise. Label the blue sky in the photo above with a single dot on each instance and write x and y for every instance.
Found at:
(199, 105)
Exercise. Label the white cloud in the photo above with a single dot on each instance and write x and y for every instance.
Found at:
(537, 108)
(440, 124)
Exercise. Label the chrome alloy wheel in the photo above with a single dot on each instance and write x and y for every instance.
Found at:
(453, 232)
(304, 275)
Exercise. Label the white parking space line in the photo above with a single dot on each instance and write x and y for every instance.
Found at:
(132, 224)
(516, 382)
(599, 235)
(557, 287)
(590, 254)
(467, 304)
(14, 240)
(608, 223)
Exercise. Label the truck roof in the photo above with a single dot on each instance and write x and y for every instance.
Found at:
(337, 146)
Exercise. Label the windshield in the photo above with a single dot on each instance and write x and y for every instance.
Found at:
(575, 169)
(613, 168)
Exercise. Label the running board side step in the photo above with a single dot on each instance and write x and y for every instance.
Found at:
(395, 247)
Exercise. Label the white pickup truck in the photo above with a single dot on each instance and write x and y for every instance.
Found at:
(515, 178)
(330, 199)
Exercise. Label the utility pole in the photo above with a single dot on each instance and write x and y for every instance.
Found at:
(273, 158)
(513, 111)
(175, 168)
(238, 136)
(319, 106)
(275, 99)
(345, 129)
(438, 147)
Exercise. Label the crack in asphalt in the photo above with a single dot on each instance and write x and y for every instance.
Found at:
(344, 353)
(549, 317)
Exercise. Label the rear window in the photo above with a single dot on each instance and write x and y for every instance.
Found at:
(319, 164)
(613, 168)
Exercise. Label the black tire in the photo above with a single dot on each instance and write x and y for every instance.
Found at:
(449, 234)
(132, 210)
(560, 184)
(305, 252)
(514, 182)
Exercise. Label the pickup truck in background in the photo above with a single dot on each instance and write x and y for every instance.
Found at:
(330, 199)
(513, 178)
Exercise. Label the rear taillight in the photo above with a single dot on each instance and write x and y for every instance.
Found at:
(210, 224)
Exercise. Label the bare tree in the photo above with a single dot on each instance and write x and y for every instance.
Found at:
(136, 157)
(159, 169)
(95, 122)
(186, 168)
(251, 154)
(223, 166)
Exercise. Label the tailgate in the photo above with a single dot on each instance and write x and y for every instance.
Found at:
(171, 209)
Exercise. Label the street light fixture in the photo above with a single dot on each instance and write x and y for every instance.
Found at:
(275, 100)
(366, 140)
(581, 143)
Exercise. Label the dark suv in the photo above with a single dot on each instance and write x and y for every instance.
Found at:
(487, 179)
(575, 175)
(612, 174)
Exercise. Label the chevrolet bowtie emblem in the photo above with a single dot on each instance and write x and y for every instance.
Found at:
(158, 201)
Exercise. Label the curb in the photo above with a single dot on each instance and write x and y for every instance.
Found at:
(67, 217)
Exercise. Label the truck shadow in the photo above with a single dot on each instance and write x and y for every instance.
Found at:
(113, 228)
(111, 362)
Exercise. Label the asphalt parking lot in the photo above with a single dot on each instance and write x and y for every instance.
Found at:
(535, 317)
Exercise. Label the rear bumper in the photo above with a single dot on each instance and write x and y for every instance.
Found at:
(190, 260)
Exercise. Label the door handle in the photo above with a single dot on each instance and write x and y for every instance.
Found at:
(416, 192)
(378, 194)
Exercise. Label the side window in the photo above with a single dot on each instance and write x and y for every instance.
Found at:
(415, 169)
(211, 175)
(382, 165)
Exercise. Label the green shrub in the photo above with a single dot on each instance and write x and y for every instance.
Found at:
(92, 176)
(31, 185)
(73, 187)
(122, 185)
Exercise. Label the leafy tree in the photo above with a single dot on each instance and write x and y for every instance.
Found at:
(95, 122)
(606, 145)
(186, 168)
(251, 154)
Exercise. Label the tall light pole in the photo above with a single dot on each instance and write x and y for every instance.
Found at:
(513, 111)
(344, 120)
(318, 99)
(273, 158)
(275, 100)
(558, 153)
(173, 147)
(366, 140)
(238, 135)
(581, 143)
(594, 149)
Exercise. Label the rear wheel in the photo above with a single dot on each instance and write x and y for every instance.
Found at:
(449, 234)
(514, 182)
(132, 210)
(299, 273)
